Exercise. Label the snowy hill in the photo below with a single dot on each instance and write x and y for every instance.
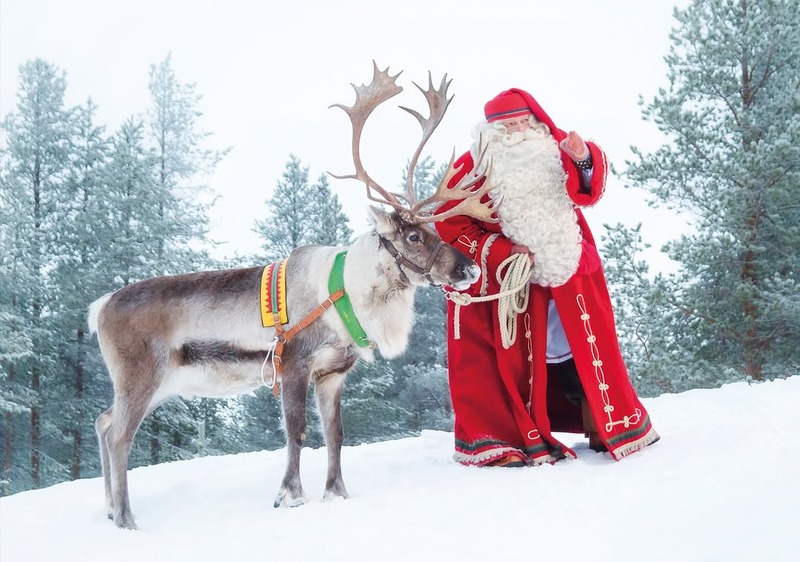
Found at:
(722, 484)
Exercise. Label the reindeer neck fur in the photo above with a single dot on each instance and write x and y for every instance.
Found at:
(381, 295)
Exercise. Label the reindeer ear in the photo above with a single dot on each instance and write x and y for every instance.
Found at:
(381, 220)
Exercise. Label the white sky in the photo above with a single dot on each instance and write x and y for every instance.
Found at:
(268, 73)
(720, 486)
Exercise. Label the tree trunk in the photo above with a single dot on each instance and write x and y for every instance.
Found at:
(77, 435)
(36, 431)
(752, 344)
(7, 442)
(6, 488)
(77, 443)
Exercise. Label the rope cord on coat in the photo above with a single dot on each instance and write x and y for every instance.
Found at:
(514, 276)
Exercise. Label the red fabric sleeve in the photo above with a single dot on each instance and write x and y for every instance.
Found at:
(487, 246)
(599, 175)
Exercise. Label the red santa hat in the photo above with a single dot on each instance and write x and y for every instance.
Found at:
(505, 105)
(515, 102)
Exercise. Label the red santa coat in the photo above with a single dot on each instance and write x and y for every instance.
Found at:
(502, 398)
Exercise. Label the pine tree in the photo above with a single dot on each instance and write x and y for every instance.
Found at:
(652, 333)
(733, 116)
(180, 163)
(370, 411)
(34, 164)
(134, 205)
(328, 224)
(288, 223)
(81, 216)
(174, 130)
(15, 347)
(81, 273)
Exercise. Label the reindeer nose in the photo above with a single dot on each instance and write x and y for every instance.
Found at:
(468, 273)
(472, 272)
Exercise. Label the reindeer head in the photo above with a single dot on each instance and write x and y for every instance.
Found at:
(418, 250)
(420, 254)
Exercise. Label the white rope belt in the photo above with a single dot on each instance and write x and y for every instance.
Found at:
(513, 297)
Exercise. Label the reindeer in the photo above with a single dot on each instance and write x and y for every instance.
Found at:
(200, 334)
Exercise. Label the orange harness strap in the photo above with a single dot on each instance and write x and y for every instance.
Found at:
(283, 337)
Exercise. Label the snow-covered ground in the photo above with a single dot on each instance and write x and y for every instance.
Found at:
(721, 485)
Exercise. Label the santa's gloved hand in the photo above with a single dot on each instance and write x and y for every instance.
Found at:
(520, 249)
(575, 148)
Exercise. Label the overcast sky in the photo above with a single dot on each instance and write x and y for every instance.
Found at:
(268, 73)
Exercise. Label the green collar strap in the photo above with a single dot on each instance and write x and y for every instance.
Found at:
(343, 306)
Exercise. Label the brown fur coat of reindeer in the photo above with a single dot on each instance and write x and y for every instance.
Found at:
(200, 334)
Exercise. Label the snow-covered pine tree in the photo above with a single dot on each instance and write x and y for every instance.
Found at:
(15, 346)
(370, 411)
(134, 201)
(181, 163)
(652, 334)
(82, 271)
(34, 164)
(329, 225)
(288, 222)
(732, 114)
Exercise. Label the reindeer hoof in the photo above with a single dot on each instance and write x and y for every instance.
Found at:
(126, 524)
(285, 499)
(124, 520)
(329, 495)
(335, 490)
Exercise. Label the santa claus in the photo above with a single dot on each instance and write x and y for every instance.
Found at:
(563, 372)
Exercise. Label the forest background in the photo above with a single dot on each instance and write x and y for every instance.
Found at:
(85, 210)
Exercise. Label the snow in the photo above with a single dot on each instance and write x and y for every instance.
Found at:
(720, 485)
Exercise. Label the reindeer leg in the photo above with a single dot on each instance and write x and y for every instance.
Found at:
(329, 392)
(102, 425)
(294, 388)
(127, 416)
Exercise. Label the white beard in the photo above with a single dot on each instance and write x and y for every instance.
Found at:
(536, 210)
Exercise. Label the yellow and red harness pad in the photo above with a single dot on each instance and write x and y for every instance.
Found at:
(273, 293)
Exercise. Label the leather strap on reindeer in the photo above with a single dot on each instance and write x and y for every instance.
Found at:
(338, 297)
(283, 337)
(404, 261)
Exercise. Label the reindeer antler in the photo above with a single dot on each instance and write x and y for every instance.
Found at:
(383, 87)
(466, 189)
(369, 97)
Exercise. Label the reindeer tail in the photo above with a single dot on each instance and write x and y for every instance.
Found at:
(94, 311)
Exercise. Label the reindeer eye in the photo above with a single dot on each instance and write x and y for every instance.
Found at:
(414, 238)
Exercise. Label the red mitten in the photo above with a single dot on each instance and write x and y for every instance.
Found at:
(574, 146)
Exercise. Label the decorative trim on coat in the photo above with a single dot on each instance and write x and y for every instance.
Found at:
(484, 263)
(633, 418)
